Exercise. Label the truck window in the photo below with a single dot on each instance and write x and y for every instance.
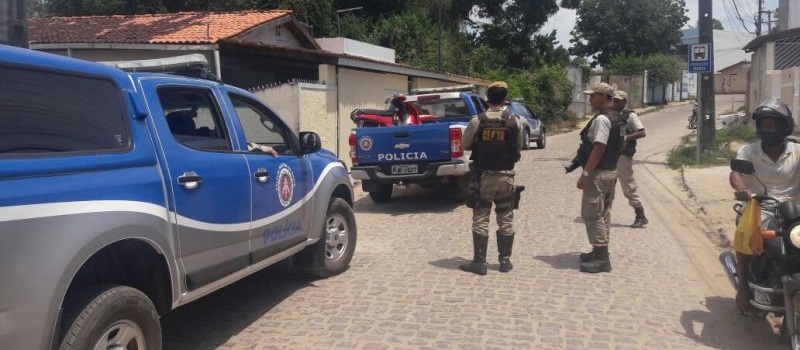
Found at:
(49, 112)
(194, 118)
(260, 125)
(441, 108)
(480, 105)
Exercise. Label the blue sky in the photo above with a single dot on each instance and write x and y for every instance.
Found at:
(564, 20)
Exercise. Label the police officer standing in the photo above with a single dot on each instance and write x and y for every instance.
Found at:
(634, 130)
(602, 139)
(495, 138)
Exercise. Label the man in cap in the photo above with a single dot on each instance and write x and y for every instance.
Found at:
(603, 138)
(495, 138)
(634, 130)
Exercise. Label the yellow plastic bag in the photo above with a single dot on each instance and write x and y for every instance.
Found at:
(747, 239)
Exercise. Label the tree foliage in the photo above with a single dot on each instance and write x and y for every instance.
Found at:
(627, 27)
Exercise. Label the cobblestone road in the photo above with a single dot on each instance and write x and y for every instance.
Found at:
(404, 289)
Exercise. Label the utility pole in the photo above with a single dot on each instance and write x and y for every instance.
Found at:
(707, 120)
(758, 17)
(439, 54)
(13, 25)
(338, 23)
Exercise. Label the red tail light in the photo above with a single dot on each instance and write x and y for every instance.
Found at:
(456, 149)
(352, 142)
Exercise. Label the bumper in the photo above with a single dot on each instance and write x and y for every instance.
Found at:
(432, 170)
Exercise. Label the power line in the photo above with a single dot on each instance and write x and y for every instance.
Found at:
(739, 15)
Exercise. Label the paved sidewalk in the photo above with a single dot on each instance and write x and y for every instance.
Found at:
(711, 197)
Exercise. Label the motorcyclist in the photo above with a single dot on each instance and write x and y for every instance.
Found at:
(776, 163)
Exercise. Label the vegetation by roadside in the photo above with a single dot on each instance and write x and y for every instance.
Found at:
(728, 141)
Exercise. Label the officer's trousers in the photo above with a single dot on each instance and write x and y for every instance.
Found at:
(598, 195)
(496, 187)
(626, 180)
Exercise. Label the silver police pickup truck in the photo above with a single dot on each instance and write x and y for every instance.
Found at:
(124, 196)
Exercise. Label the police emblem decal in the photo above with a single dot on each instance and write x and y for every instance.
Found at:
(285, 184)
(365, 143)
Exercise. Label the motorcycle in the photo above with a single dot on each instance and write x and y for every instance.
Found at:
(693, 117)
(774, 275)
(399, 112)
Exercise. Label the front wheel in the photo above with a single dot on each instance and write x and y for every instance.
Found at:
(526, 140)
(117, 317)
(331, 255)
(542, 140)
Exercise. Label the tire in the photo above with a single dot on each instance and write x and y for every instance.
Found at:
(331, 255)
(542, 140)
(114, 317)
(792, 334)
(383, 195)
(526, 140)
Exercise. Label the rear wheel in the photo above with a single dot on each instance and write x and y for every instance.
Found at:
(382, 195)
(542, 140)
(118, 317)
(331, 255)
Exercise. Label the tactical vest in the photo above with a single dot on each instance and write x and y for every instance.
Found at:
(630, 146)
(616, 139)
(495, 144)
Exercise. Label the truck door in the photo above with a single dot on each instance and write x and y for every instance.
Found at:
(208, 182)
(281, 184)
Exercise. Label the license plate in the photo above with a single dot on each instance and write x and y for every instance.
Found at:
(404, 169)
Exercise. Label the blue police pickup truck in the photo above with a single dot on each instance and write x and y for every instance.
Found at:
(124, 196)
(429, 153)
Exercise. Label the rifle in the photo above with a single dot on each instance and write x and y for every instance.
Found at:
(584, 150)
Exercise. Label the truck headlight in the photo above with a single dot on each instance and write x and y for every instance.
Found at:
(794, 235)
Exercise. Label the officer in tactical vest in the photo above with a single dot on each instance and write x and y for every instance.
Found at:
(495, 138)
(634, 130)
(602, 140)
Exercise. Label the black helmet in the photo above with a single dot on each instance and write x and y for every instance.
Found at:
(781, 112)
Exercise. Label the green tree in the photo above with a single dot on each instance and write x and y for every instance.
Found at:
(627, 27)
(662, 70)
(716, 24)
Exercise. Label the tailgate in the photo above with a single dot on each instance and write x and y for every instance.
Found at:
(408, 144)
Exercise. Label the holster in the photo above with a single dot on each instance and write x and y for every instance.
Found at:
(518, 195)
(472, 195)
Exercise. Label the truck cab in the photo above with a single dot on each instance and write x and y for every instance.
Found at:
(127, 195)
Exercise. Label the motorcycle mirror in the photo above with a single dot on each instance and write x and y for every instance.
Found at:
(742, 166)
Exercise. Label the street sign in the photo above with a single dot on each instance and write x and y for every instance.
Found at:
(701, 58)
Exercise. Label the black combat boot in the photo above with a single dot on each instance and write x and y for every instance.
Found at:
(504, 244)
(587, 257)
(601, 263)
(641, 220)
(478, 263)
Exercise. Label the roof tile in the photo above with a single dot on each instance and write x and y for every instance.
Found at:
(166, 28)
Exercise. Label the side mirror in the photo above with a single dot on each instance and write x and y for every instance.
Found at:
(310, 142)
(742, 166)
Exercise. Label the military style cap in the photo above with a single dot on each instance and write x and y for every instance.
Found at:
(620, 95)
(601, 88)
(499, 84)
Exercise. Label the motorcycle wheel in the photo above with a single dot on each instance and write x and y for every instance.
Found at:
(794, 337)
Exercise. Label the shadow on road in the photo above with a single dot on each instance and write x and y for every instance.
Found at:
(720, 316)
(210, 322)
(414, 200)
(454, 262)
(566, 261)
